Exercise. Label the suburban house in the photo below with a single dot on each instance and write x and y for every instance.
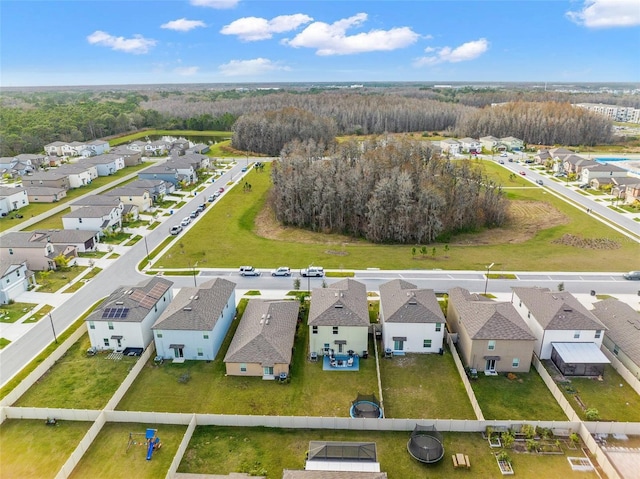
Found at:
(132, 196)
(15, 279)
(12, 199)
(469, 145)
(574, 163)
(622, 186)
(160, 172)
(82, 241)
(489, 143)
(20, 246)
(491, 335)
(35, 160)
(157, 188)
(131, 157)
(198, 148)
(15, 168)
(93, 218)
(106, 164)
(55, 148)
(97, 200)
(45, 194)
(79, 175)
(542, 157)
(512, 143)
(566, 332)
(51, 179)
(198, 161)
(98, 147)
(124, 319)
(262, 345)
(412, 320)
(601, 170)
(185, 169)
(197, 321)
(339, 318)
(450, 146)
(622, 337)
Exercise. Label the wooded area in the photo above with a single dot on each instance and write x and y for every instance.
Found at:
(387, 191)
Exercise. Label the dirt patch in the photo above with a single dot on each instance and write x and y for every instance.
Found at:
(587, 243)
(526, 218)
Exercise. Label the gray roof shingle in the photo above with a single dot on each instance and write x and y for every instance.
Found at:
(557, 310)
(197, 309)
(403, 302)
(623, 323)
(486, 319)
(265, 334)
(341, 304)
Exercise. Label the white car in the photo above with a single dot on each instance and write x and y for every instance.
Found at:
(312, 271)
(249, 271)
(281, 271)
(176, 229)
(186, 221)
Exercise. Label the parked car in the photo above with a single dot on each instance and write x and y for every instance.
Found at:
(523, 173)
(202, 206)
(249, 271)
(584, 186)
(510, 160)
(220, 190)
(211, 198)
(281, 271)
(317, 271)
(501, 162)
(244, 169)
(185, 221)
(540, 182)
(194, 214)
(175, 229)
(559, 175)
(632, 275)
(503, 155)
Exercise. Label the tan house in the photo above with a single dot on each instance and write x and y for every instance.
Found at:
(132, 196)
(44, 194)
(263, 343)
(24, 246)
(51, 179)
(491, 335)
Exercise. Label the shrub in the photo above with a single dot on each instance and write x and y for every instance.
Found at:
(592, 414)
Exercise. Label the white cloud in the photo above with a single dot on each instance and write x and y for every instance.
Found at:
(254, 28)
(218, 4)
(183, 25)
(186, 71)
(137, 45)
(607, 13)
(465, 52)
(257, 66)
(332, 39)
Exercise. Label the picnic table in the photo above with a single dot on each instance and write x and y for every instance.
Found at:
(460, 460)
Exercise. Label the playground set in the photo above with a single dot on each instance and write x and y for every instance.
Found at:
(152, 441)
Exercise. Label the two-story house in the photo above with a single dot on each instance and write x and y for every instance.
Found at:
(15, 279)
(12, 199)
(20, 246)
(470, 145)
(106, 164)
(79, 174)
(138, 197)
(93, 218)
(48, 179)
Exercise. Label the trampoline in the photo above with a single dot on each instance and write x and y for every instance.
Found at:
(425, 444)
(366, 405)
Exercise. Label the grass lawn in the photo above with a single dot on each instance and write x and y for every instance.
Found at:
(423, 386)
(614, 403)
(10, 313)
(38, 315)
(269, 451)
(4, 342)
(524, 398)
(233, 241)
(311, 392)
(108, 456)
(78, 380)
(52, 280)
(32, 449)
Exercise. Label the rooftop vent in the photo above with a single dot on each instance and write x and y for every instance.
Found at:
(339, 305)
(413, 301)
(186, 308)
(568, 310)
(119, 302)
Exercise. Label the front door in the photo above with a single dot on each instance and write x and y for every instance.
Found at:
(178, 353)
(490, 365)
(398, 345)
(267, 371)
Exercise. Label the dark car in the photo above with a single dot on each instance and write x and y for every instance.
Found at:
(632, 275)
(540, 182)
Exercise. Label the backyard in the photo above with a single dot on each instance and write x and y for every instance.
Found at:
(423, 386)
(526, 397)
(78, 380)
(253, 451)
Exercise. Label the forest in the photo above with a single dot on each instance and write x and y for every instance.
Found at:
(30, 119)
(386, 191)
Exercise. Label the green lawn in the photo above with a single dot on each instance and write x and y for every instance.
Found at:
(32, 449)
(524, 398)
(423, 385)
(108, 456)
(233, 241)
(269, 451)
(52, 280)
(38, 315)
(78, 381)
(614, 399)
(10, 313)
(4, 342)
(311, 392)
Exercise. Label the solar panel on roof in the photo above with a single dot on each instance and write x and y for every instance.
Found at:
(157, 291)
(137, 295)
(115, 313)
(147, 302)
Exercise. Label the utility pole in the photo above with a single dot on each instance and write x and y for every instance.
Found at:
(486, 282)
(53, 329)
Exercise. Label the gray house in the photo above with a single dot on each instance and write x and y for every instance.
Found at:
(160, 172)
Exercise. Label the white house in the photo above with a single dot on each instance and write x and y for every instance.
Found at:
(55, 148)
(489, 143)
(105, 165)
(411, 318)
(93, 218)
(196, 323)
(339, 318)
(470, 145)
(125, 318)
(450, 146)
(79, 175)
(601, 170)
(12, 199)
(15, 279)
(564, 329)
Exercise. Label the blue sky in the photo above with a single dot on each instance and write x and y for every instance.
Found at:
(87, 42)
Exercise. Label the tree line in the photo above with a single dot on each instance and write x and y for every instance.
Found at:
(385, 190)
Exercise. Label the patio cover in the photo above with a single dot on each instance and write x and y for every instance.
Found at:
(580, 353)
(176, 346)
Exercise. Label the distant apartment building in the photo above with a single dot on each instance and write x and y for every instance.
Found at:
(625, 114)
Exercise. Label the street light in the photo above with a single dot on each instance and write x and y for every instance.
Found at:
(53, 329)
(195, 284)
(309, 280)
(486, 282)
(147, 248)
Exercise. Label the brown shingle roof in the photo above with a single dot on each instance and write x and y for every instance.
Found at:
(403, 302)
(623, 323)
(341, 304)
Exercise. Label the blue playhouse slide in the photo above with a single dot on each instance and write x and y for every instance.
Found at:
(152, 442)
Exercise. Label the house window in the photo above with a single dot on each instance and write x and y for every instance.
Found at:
(576, 335)
(491, 345)
(426, 343)
(110, 324)
(92, 325)
(10, 251)
(18, 273)
(335, 330)
(106, 342)
(8, 280)
(200, 353)
(515, 363)
(438, 327)
(159, 334)
(243, 368)
(155, 308)
(79, 220)
(205, 335)
(268, 370)
(616, 350)
(598, 333)
(314, 329)
(528, 314)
